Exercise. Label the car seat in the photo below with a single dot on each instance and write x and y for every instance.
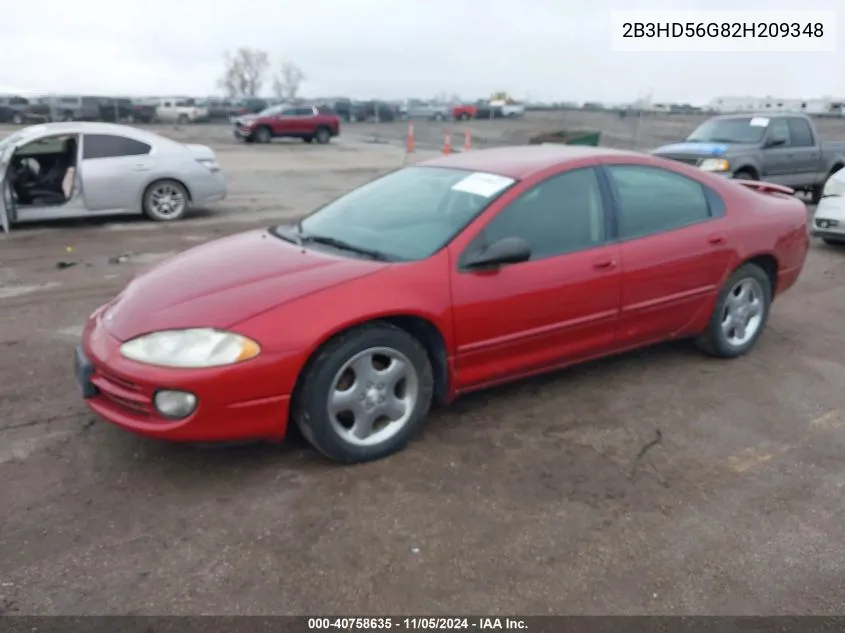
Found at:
(55, 187)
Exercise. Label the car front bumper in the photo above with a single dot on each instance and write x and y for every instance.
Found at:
(234, 403)
(829, 218)
(209, 189)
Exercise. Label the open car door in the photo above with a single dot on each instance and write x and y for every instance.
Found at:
(5, 190)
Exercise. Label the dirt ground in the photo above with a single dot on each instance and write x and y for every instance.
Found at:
(527, 499)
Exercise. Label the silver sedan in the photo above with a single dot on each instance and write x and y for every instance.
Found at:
(73, 170)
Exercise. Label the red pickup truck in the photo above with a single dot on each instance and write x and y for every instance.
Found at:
(462, 112)
(287, 121)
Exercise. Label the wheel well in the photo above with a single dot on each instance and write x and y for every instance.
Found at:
(836, 168)
(176, 180)
(769, 265)
(421, 329)
(749, 170)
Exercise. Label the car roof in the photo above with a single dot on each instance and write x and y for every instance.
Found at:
(524, 160)
(755, 115)
(92, 127)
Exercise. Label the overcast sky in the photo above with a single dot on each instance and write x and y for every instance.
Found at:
(538, 49)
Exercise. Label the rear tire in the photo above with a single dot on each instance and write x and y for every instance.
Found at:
(375, 372)
(182, 120)
(745, 299)
(323, 135)
(165, 201)
(17, 118)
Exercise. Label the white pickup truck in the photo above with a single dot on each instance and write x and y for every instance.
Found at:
(178, 110)
(508, 107)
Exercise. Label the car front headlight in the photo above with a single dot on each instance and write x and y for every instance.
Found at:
(194, 348)
(834, 187)
(714, 164)
(209, 163)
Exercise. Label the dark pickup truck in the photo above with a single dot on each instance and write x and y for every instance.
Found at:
(779, 148)
(18, 110)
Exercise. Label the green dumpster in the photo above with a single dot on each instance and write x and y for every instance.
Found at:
(568, 137)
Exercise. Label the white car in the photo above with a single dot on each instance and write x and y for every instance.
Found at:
(178, 110)
(829, 219)
(79, 170)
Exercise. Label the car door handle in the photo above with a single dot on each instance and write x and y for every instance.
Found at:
(716, 239)
(141, 168)
(604, 264)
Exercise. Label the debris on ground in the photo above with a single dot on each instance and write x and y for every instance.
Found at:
(658, 439)
(120, 259)
(65, 264)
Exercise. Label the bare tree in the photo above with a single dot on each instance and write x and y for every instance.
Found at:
(245, 72)
(287, 81)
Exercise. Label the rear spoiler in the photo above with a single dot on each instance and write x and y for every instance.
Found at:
(766, 187)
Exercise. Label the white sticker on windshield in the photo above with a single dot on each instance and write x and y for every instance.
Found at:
(481, 184)
(759, 121)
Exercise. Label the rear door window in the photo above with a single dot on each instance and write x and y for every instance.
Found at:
(111, 146)
(654, 200)
(800, 133)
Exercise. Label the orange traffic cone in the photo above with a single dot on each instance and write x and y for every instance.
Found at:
(447, 143)
(467, 141)
(409, 140)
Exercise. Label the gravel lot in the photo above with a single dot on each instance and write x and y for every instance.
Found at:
(526, 499)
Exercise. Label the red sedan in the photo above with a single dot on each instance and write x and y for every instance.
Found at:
(432, 281)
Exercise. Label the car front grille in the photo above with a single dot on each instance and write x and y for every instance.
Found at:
(121, 392)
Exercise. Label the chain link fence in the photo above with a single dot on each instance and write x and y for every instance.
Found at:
(621, 130)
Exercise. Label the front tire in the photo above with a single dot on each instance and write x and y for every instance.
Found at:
(744, 174)
(17, 118)
(165, 201)
(365, 393)
(740, 314)
(262, 135)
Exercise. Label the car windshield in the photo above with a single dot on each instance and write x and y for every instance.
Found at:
(408, 214)
(736, 130)
(10, 140)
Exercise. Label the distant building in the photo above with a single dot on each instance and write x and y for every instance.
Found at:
(824, 105)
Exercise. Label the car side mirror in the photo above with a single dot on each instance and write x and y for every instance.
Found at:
(508, 250)
(776, 141)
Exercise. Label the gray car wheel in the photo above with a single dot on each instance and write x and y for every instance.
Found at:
(165, 201)
(740, 314)
(323, 136)
(262, 134)
(365, 393)
(17, 118)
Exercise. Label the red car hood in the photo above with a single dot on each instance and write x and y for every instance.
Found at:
(224, 282)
